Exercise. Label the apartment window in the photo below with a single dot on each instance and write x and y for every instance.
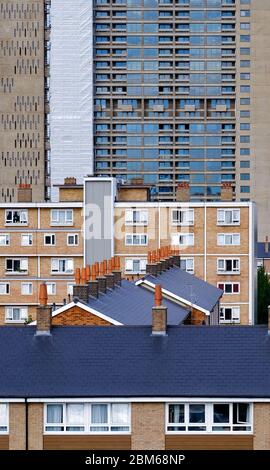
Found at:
(4, 288)
(62, 217)
(72, 239)
(187, 264)
(49, 239)
(70, 288)
(229, 287)
(27, 239)
(208, 417)
(135, 266)
(229, 314)
(3, 418)
(228, 239)
(26, 288)
(228, 266)
(62, 266)
(183, 239)
(183, 216)
(17, 217)
(89, 418)
(16, 314)
(15, 265)
(51, 288)
(136, 217)
(228, 216)
(136, 239)
(4, 239)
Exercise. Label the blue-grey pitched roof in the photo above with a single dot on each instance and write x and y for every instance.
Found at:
(189, 287)
(261, 253)
(131, 305)
(191, 361)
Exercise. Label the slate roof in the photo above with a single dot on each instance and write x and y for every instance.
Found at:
(188, 287)
(131, 305)
(261, 253)
(191, 361)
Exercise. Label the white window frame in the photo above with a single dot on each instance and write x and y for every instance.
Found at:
(6, 238)
(49, 290)
(9, 318)
(5, 423)
(235, 314)
(130, 269)
(187, 259)
(187, 215)
(23, 216)
(51, 235)
(30, 285)
(223, 271)
(141, 236)
(223, 238)
(59, 260)
(184, 235)
(229, 284)
(6, 285)
(130, 216)
(209, 421)
(69, 286)
(55, 217)
(23, 261)
(87, 420)
(221, 217)
(74, 235)
(30, 237)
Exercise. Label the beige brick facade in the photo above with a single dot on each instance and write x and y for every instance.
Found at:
(38, 255)
(35, 426)
(17, 426)
(206, 250)
(148, 420)
(262, 426)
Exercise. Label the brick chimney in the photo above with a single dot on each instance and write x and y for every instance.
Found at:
(226, 192)
(44, 313)
(182, 192)
(117, 271)
(176, 256)
(109, 275)
(159, 314)
(93, 283)
(266, 245)
(70, 191)
(80, 290)
(151, 266)
(102, 281)
(24, 193)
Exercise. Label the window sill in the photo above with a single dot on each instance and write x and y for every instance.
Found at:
(18, 224)
(16, 273)
(226, 273)
(222, 224)
(62, 274)
(68, 224)
(15, 321)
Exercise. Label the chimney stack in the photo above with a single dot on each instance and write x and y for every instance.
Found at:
(109, 276)
(117, 271)
(24, 193)
(266, 245)
(80, 290)
(182, 192)
(152, 267)
(159, 314)
(226, 192)
(102, 282)
(93, 283)
(44, 313)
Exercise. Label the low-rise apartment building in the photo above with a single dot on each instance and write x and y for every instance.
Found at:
(39, 242)
(216, 240)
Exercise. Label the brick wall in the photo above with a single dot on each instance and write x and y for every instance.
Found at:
(261, 426)
(78, 316)
(148, 426)
(35, 429)
(17, 426)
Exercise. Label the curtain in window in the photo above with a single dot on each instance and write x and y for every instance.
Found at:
(3, 415)
(75, 417)
(55, 414)
(120, 417)
(99, 415)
